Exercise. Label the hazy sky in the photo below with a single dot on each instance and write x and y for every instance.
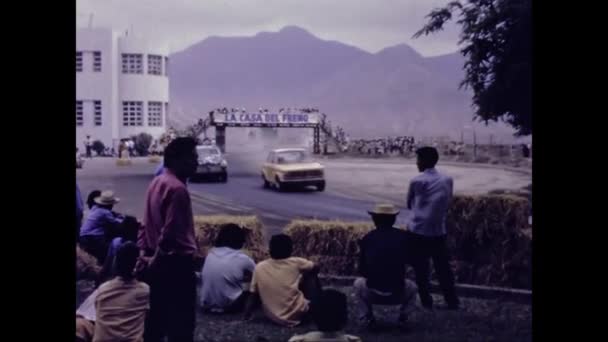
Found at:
(368, 24)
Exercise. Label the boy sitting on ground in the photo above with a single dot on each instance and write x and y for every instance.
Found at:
(122, 303)
(225, 271)
(330, 314)
(285, 285)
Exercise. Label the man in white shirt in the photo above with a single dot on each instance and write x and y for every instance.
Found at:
(429, 198)
(226, 273)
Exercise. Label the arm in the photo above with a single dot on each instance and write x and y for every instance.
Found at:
(252, 300)
(362, 266)
(410, 196)
(250, 305)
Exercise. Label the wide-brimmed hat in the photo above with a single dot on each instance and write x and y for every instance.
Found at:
(107, 198)
(384, 209)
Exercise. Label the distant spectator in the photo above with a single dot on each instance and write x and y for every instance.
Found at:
(122, 303)
(429, 196)
(525, 150)
(382, 263)
(88, 146)
(225, 272)
(285, 285)
(100, 222)
(330, 315)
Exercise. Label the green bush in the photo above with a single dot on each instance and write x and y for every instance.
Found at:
(98, 147)
(143, 141)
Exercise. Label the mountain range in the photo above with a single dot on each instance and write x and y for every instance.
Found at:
(395, 91)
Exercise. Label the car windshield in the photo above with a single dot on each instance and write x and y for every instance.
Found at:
(206, 152)
(291, 157)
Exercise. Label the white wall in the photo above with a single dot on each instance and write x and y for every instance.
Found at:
(96, 85)
(143, 87)
(111, 86)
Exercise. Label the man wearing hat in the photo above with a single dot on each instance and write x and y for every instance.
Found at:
(98, 226)
(382, 263)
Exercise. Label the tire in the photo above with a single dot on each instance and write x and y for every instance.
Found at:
(321, 186)
(266, 183)
(280, 186)
(224, 177)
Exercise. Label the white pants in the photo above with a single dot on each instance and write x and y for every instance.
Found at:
(367, 297)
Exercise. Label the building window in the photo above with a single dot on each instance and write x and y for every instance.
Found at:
(132, 63)
(166, 66)
(97, 112)
(155, 114)
(97, 61)
(79, 114)
(78, 61)
(132, 113)
(155, 65)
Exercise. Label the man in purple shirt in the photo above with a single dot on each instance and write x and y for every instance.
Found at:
(168, 247)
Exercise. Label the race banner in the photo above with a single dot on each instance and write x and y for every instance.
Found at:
(265, 119)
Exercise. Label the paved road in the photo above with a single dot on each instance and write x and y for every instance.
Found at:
(352, 188)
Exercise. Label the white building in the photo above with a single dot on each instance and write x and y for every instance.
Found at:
(122, 86)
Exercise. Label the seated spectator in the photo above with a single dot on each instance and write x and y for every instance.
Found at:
(127, 231)
(225, 272)
(284, 284)
(121, 304)
(330, 314)
(85, 319)
(382, 264)
(99, 224)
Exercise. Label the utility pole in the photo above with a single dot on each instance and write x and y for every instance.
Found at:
(474, 144)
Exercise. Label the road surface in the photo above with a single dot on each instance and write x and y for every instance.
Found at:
(353, 187)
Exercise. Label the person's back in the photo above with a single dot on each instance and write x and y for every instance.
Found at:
(278, 280)
(384, 259)
(122, 303)
(431, 193)
(222, 277)
(121, 310)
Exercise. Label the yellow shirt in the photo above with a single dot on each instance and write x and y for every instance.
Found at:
(277, 281)
(121, 308)
(318, 336)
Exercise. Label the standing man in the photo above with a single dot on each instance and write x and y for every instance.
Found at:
(88, 146)
(428, 198)
(168, 246)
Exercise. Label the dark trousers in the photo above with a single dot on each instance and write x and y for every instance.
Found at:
(423, 249)
(89, 150)
(96, 245)
(172, 300)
